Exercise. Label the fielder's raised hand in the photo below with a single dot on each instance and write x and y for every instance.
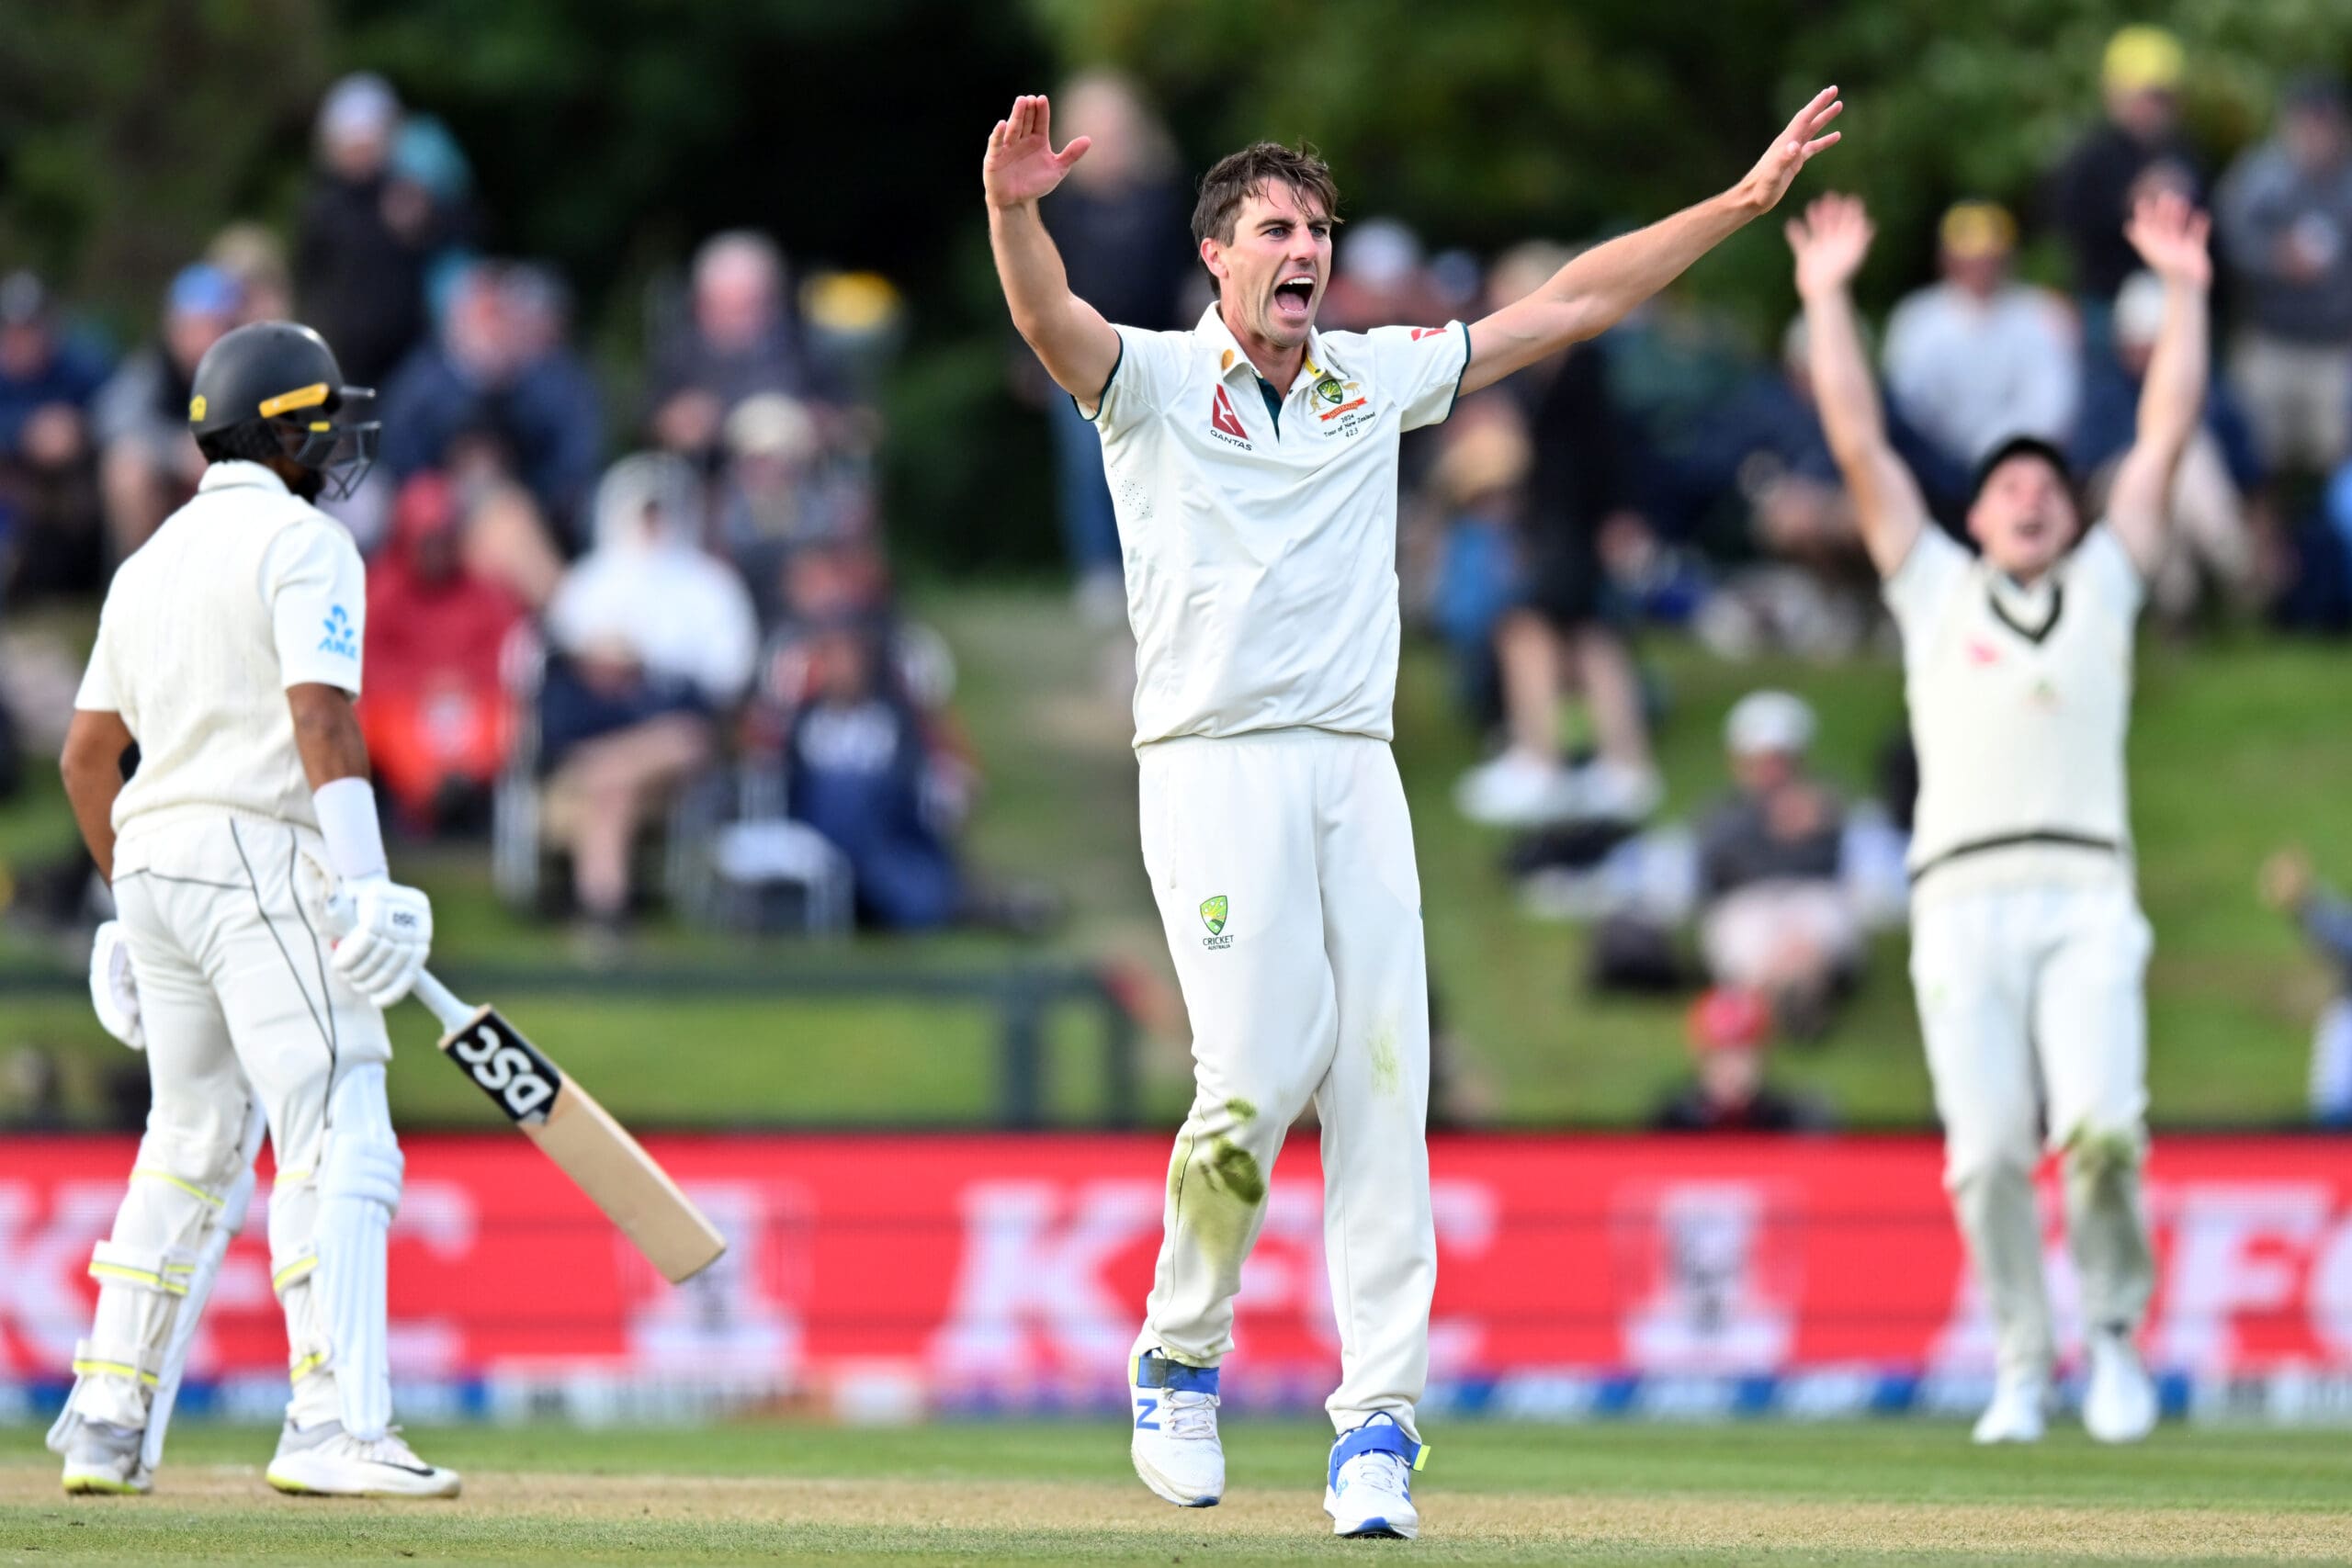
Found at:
(1806, 135)
(1021, 164)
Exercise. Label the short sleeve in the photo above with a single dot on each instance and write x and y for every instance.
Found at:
(99, 691)
(1148, 372)
(1420, 369)
(2104, 569)
(317, 591)
(1919, 588)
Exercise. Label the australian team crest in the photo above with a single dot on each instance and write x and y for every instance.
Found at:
(1213, 914)
(1330, 391)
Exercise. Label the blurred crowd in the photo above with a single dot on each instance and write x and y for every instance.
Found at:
(647, 640)
(578, 656)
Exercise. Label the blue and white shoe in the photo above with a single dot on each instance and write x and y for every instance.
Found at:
(1370, 1492)
(1175, 1446)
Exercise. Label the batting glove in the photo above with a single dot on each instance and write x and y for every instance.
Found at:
(114, 989)
(388, 932)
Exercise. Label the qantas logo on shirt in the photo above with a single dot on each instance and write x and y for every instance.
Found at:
(339, 640)
(1223, 423)
(1420, 332)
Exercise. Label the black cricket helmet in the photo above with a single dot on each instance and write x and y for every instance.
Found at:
(273, 389)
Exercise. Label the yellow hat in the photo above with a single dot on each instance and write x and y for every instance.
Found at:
(2143, 60)
(1978, 228)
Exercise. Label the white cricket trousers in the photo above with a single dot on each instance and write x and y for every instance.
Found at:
(222, 915)
(1282, 863)
(2030, 999)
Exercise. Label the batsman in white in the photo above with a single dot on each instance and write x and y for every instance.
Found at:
(1253, 466)
(228, 653)
(2027, 947)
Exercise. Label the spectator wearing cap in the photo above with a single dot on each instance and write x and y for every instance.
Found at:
(1775, 917)
(360, 244)
(651, 639)
(781, 496)
(1120, 221)
(1979, 357)
(148, 463)
(2211, 541)
(497, 374)
(2284, 220)
(48, 535)
(738, 340)
(2139, 140)
(1730, 1033)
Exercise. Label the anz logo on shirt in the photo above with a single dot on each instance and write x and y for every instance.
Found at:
(339, 640)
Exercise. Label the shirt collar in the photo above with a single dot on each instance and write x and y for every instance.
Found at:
(235, 471)
(1220, 341)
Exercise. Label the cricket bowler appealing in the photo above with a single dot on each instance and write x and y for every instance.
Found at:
(2028, 946)
(1252, 464)
(229, 651)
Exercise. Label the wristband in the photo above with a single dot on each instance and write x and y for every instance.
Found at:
(347, 809)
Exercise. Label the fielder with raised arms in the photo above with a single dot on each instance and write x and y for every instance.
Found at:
(2027, 947)
(229, 652)
(1252, 464)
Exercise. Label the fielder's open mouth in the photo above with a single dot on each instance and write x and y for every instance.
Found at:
(1294, 297)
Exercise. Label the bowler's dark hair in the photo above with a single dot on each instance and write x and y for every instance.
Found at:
(1240, 175)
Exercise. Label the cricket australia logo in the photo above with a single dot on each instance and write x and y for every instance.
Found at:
(339, 640)
(1213, 913)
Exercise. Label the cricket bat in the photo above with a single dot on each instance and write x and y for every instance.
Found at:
(576, 1132)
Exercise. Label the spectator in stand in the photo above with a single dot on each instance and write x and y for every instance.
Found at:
(363, 237)
(2211, 540)
(1980, 357)
(1730, 1033)
(2090, 194)
(1121, 222)
(2284, 218)
(1560, 632)
(860, 771)
(739, 341)
(2288, 886)
(652, 642)
(1379, 278)
(253, 255)
(1775, 918)
(148, 463)
(49, 505)
(498, 372)
(2317, 594)
(1476, 490)
(435, 717)
(780, 495)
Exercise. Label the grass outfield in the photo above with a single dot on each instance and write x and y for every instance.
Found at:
(1884, 1493)
(2238, 745)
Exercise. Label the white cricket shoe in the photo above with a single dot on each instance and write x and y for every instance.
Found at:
(1516, 790)
(2016, 1414)
(2120, 1405)
(1370, 1490)
(326, 1461)
(1175, 1445)
(103, 1460)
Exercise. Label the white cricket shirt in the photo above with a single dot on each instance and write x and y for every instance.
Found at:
(1261, 551)
(2020, 699)
(246, 590)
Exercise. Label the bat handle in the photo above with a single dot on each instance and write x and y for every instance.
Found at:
(441, 1002)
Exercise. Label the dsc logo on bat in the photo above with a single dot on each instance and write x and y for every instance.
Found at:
(505, 1066)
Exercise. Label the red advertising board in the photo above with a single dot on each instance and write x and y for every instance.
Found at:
(887, 1273)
